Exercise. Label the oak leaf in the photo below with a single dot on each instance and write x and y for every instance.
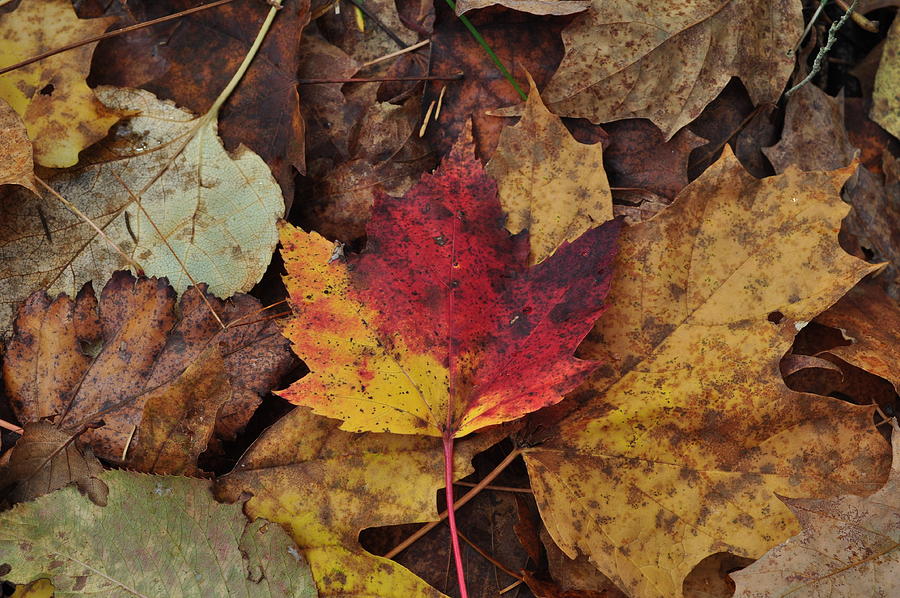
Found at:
(16, 162)
(440, 327)
(849, 546)
(548, 183)
(324, 486)
(88, 550)
(631, 60)
(688, 431)
(110, 356)
(61, 114)
(162, 186)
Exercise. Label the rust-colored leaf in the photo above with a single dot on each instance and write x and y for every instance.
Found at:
(16, 163)
(687, 433)
(110, 355)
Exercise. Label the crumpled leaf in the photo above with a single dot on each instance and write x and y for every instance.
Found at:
(16, 162)
(631, 60)
(324, 486)
(849, 546)
(45, 459)
(548, 183)
(179, 418)
(144, 542)
(885, 96)
(110, 356)
(61, 114)
(686, 435)
(216, 211)
(190, 60)
(439, 327)
(535, 7)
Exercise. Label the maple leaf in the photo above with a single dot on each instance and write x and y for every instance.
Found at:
(688, 431)
(164, 190)
(88, 550)
(16, 163)
(849, 546)
(371, 480)
(439, 327)
(549, 183)
(630, 60)
(133, 346)
(61, 114)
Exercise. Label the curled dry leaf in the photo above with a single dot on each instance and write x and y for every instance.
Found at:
(163, 184)
(633, 60)
(110, 356)
(548, 183)
(16, 162)
(61, 114)
(324, 486)
(440, 327)
(45, 459)
(687, 433)
(849, 546)
(87, 550)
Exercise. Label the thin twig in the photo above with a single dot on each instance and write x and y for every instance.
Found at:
(489, 558)
(497, 488)
(365, 10)
(457, 504)
(415, 46)
(12, 427)
(511, 587)
(253, 313)
(859, 18)
(455, 77)
(817, 63)
(809, 26)
(110, 34)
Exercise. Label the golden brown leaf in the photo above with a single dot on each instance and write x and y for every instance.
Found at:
(633, 60)
(108, 356)
(688, 432)
(849, 546)
(325, 485)
(549, 183)
(16, 163)
(60, 111)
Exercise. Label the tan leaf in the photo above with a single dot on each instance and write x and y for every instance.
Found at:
(633, 60)
(45, 459)
(109, 356)
(849, 546)
(60, 111)
(535, 7)
(689, 431)
(162, 185)
(179, 418)
(549, 183)
(886, 96)
(325, 485)
(16, 163)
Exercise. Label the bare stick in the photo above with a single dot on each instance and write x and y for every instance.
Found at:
(110, 34)
(455, 77)
(498, 488)
(457, 504)
(415, 46)
(365, 10)
(817, 63)
(12, 427)
(489, 558)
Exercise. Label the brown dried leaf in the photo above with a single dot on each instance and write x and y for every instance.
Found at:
(109, 355)
(849, 546)
(535, 7)
(633, 60)
(886, 94)
(16, 163)
(45, 459)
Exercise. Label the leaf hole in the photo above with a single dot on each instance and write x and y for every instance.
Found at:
(47, 90)
(775, 317)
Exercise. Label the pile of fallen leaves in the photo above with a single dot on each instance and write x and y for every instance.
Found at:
(640, 328)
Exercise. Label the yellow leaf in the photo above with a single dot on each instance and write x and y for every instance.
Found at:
(549, 183)
(686, 435)
(324, 486)
(162, 184)
(60, 111)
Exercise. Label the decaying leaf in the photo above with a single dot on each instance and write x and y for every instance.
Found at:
(886, 95)
(687, 433)
(16, 162)
(325, 486)
(61, 114)
(110, 356)
(179, 418)
(440, 327)
(535, 7)
(632, 60)
(45, 459)
(548, 183)
(88, 550)
(162, 185)
(849, 546)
